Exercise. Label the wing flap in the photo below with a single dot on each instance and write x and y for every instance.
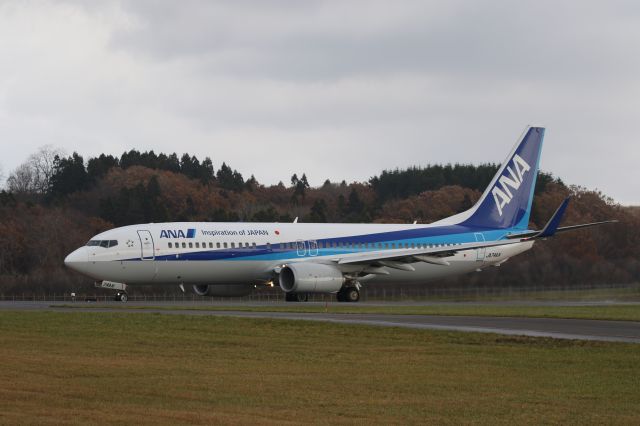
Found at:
(429, 255)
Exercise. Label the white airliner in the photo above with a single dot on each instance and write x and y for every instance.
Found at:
(231, 259)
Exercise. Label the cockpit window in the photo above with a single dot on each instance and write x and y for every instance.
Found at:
(102, 243)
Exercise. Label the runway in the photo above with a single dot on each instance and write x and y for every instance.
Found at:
(615, 331)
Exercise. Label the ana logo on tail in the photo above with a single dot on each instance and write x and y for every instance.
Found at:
(501, 193)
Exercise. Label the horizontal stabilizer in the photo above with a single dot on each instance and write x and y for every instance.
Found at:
(551, 228)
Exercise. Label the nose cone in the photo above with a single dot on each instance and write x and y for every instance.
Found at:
(77, 260)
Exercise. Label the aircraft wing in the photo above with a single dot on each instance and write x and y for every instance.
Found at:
(402, 257)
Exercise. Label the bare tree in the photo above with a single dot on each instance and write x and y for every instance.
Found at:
(21, 180)
(33, 176)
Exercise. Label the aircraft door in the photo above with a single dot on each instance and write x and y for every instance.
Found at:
(302, 248)
(481, 251)
(313, 248)
(147, 249)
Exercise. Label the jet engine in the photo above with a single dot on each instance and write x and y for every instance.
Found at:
(310, 278)
(224, 290)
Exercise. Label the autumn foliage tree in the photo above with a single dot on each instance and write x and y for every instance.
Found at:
(84, 198)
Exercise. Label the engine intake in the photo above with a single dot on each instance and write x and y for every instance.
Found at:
(310, 278)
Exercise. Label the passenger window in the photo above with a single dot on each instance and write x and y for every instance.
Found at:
(170, 245)
(268, 246)
(217, 245)
(197, 245)
(184, 245)
(225, 245)
(210, 245)
(413, 245)
(233, 245)
(190, 245)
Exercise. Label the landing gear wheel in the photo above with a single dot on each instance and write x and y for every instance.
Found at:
(348, 294)
(121, 297)
(302, 297)
(352, 295)
(290, 297)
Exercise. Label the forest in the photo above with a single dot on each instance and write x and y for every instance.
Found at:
(53, 203)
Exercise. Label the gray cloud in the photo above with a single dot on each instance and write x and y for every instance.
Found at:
(338, 89)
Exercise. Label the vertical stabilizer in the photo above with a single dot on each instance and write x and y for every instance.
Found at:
(506, 203)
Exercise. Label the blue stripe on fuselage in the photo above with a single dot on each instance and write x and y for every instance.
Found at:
(453, 234)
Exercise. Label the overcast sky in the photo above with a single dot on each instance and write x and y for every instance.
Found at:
(337, 89)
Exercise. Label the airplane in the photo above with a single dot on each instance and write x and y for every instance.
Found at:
(232, 259)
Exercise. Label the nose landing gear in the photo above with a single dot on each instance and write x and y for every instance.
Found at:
(121, 296)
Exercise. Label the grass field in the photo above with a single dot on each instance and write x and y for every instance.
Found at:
(600, 312)
(148, 369)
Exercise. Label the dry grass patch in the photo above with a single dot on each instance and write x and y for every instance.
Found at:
(114, 368)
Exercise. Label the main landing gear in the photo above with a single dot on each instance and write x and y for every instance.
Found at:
(348, 294)
(296, 297)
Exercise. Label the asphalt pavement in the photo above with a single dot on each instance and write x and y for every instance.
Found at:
(619, 331)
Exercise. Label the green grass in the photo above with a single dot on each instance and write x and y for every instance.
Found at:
(600, 312)
(116, 368)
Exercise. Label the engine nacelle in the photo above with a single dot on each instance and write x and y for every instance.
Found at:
(224, 290)
(310, 278)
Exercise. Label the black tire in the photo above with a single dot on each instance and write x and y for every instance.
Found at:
(352, 295)
(290, 297)
(124, 297)
(302, 297)
(340, 296)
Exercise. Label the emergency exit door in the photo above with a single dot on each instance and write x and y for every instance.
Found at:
(481, 251)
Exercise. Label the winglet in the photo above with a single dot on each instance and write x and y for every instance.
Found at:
(551, 227)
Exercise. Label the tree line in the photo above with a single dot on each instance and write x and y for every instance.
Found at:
(54, 203)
